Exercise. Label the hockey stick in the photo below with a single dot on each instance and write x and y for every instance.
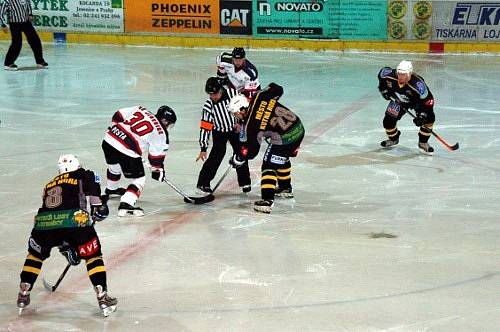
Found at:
(222, 178)
(439, 138)
(53, 288)
(187, 199)
(190, 199)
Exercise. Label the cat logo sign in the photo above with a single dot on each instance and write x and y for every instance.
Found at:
(236, 17)
(182, 16)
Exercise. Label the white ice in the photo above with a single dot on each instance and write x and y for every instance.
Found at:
(375, 240)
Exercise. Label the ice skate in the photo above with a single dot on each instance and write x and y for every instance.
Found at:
(284, 193)
(425, 148)
(125, 209)
(107, 304)
(389, 142)
(115, 192)
(246, 188)
(264, 206)
(23, 298)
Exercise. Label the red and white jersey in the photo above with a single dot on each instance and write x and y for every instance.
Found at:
(135, 130)
(244, 80)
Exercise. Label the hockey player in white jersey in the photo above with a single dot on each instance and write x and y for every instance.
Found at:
(237, 72)
(135, 131)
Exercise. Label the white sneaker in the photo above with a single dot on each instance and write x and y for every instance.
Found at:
(11, 67)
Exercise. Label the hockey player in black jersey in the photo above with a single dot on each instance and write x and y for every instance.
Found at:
(65, 221)
(406, 90)
(266, 118)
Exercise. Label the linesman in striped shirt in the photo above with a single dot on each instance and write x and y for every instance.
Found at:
(216, 120)
(19, 17)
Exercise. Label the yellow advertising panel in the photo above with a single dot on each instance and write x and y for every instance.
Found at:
(181, 16)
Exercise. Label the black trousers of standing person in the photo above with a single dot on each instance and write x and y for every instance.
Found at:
(216, 155)
(16, 30)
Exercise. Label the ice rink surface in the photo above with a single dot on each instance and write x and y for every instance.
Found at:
(374, 240)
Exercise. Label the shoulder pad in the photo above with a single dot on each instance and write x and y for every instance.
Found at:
(419, 85)
(251, 70)
(386, 71)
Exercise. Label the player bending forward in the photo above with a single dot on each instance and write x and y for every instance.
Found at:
(135, 130)
(64, 221)
(406, 90)
(265, 118)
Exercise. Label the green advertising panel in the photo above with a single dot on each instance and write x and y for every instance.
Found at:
(365, 20)
(297, 18)
(328, 19)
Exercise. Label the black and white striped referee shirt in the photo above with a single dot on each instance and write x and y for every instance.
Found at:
(216, 116)
(17, 11)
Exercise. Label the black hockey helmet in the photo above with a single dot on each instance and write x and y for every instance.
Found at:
(238, 53)
(213, 85)
(166, 113)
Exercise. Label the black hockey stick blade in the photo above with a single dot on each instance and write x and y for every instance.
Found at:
(51, 288)
(199, 200)
(48, 286)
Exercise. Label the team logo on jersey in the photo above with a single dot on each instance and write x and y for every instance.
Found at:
(236, 17)
(386, 71)
(422, 90)
(81, 218)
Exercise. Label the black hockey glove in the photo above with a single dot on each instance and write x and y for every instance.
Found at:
(385, 93)
(236, 161)
(70, 254)
(420, 119)
(99, 212)
(158, 174)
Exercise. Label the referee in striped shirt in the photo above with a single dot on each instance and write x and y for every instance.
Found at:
(20, 15)
(218, 121)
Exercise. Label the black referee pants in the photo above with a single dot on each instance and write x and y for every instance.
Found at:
(16, 30)
(217, 153)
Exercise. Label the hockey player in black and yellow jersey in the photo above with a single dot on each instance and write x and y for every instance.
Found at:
(64, 221)
(406, 90)
(266, 118)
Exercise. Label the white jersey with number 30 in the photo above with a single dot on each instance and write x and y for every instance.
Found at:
(135, 130)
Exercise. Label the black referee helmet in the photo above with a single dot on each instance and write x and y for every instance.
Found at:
(213, 85)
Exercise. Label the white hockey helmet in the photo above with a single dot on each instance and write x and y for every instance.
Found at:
(405, 67)
(67, 163)
(237, 103)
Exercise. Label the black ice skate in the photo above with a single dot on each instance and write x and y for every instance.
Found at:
(125, 209)
(246, 188)
(107, 304)
(264, 206)
(284, 193)
(425, 148)
(116, 192)
(389, 142)
(23, 298)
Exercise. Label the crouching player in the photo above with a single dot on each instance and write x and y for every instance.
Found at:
(265, 118)
(64, 221)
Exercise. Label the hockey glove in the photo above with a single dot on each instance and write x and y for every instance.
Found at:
(420, 119)
(158, 174)
(70, 254)
(100, 212)
(385, 93)
(236, 161)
